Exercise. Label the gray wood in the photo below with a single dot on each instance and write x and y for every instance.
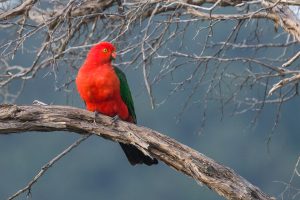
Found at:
(221, 179)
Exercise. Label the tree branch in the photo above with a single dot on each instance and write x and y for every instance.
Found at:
(221, 179)
(293, 79)
(94, 8)
(285, 17)
(46, 167)
(19, 10)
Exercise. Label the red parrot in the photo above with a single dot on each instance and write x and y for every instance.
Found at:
(105, 90)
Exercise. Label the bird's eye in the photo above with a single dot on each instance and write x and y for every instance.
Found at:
(105, 50)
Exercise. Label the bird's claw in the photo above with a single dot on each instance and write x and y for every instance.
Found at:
(115, 119)
(39, 103)
(95, 117)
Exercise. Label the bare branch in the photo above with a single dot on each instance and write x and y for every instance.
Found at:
(289, 189)
(19, 10)
(221, 179)
(285, 17)
(283, 83)
(48, 165)
(153, 35)
(286, 2)
(291, 60)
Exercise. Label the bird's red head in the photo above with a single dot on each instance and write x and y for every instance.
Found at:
(102, 53)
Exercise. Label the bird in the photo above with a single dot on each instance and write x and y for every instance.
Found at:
(104, 89)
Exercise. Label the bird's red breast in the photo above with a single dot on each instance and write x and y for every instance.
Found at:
(98, 84)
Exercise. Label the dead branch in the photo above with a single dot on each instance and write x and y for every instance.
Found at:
(286, 2)
(285, 17)
(291, 60)
(221, 179)
(289, 189)
(43, 170)
(19, 10)
(293, 79)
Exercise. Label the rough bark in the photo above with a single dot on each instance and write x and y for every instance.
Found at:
(221, 179)
(284, 17)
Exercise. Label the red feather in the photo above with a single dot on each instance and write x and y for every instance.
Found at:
(98, 84)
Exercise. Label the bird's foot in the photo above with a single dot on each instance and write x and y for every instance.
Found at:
(115, 119)
(39, 103)
(95, 117)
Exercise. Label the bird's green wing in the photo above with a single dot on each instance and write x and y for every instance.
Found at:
(125, 93)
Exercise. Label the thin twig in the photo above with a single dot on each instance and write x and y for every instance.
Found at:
(291, 60)
(46, 167)
(283, 83)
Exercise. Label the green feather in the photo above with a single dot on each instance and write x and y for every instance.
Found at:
(125, 92)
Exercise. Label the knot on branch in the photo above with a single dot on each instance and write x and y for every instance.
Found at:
(8, 111)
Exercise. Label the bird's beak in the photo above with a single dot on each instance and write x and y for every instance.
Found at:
(113, 55)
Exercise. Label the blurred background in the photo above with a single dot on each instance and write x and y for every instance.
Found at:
(260, 143)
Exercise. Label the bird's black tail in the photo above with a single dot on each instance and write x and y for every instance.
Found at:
(135, 156)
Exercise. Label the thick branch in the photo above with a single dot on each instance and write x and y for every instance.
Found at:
(286, 2)
(285, 17)
(17, 119)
